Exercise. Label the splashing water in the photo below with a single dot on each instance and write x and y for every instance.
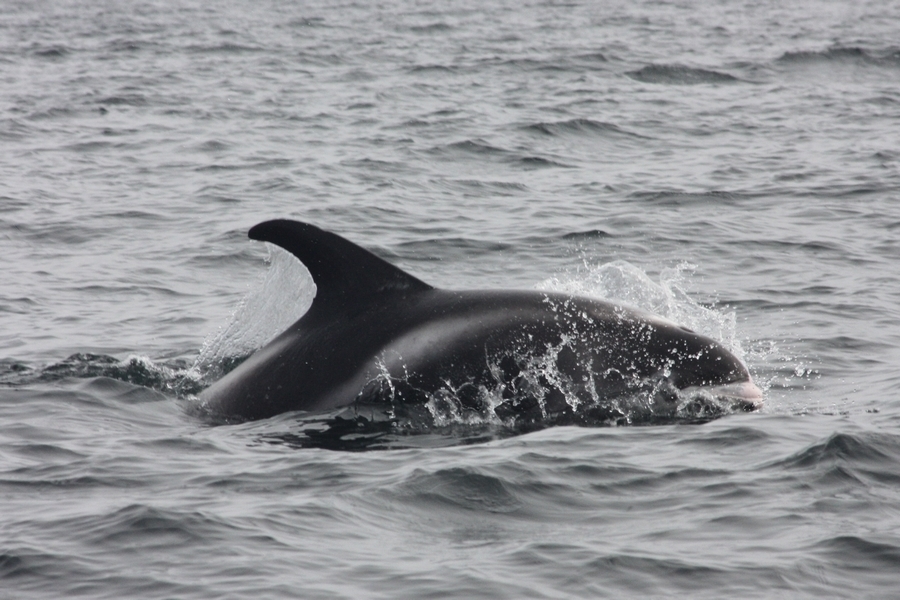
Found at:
(622, 282)
(284, 295)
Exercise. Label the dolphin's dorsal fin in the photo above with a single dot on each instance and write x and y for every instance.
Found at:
(344, 273)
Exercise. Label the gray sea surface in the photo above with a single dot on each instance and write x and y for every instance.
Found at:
(732, 165)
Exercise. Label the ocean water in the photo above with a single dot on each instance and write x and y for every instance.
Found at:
(731, 165)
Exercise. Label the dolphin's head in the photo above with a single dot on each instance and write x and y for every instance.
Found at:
(697, 365)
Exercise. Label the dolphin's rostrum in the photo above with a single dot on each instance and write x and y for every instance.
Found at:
(374, 332)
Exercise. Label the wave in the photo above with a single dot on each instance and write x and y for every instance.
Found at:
(124, 100)
(431, 28)
(678, 198)
(432, 68)
(459, 488)
(223, 48)
(592, 57)
(869, 448)
(554, 64)
(477, 147)
(679, 75)
(482, 149)
(448, 246)
(842, 55)
(580, 127)
(531, 64)
(590, 234)
(126, 45)
(173, 378)
(860, 554)
(500, 188)
(51, 52)
(14, 130)
(540, 161)
(307, 22)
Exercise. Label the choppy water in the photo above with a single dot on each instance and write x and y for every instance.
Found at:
(741, 158)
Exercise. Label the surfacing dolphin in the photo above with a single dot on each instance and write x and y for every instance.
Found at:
(374, 334)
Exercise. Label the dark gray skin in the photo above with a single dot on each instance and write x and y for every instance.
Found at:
(374, 329)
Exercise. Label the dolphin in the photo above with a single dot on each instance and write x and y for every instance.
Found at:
(376, 333)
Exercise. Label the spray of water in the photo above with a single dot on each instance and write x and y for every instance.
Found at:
(624, 283)
(282, 295)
